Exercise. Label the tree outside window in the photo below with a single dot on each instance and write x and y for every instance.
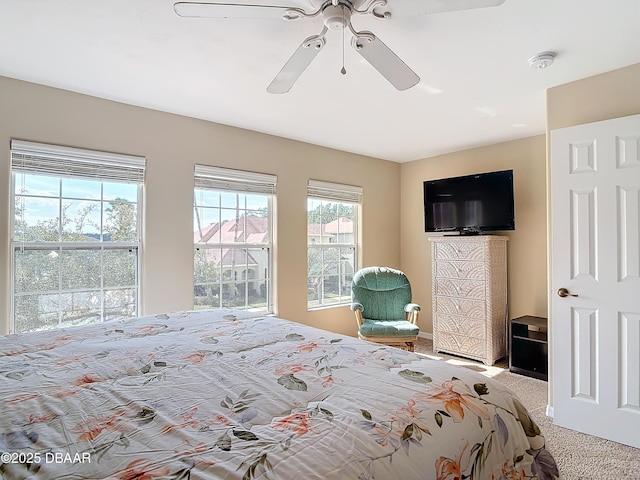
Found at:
(75, 251)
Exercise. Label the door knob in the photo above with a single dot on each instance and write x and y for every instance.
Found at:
(563, 292)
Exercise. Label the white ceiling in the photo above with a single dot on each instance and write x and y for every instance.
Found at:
(476, 87)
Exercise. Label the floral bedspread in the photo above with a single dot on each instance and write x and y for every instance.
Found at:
(233, 395)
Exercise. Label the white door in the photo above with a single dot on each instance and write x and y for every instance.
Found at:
(595, 256)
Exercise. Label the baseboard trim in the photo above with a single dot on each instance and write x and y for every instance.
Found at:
(549, 411)
(425, 335)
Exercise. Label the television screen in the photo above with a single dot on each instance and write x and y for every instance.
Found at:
(470, 204)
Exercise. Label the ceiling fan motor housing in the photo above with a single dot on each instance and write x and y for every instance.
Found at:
(336, 17)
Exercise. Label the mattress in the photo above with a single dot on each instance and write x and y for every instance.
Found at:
(219, 394)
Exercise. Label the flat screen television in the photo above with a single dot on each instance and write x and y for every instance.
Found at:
(471, 204)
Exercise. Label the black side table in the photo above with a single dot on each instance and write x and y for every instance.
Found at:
(528, 347)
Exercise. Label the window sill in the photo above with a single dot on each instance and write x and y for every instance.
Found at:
(327, 307)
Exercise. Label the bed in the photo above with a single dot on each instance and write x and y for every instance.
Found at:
(236, 395)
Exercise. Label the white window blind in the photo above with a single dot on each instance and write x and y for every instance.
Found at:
(41, 159)
(229, 180)
(334, 191)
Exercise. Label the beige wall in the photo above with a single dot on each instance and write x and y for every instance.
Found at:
(172, 145)
(527, 284)
(601, 97)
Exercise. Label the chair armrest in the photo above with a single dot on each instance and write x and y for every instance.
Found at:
(357, 306)
(411, 312)
(410, 307)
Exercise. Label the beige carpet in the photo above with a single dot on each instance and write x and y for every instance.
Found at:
(579, 456)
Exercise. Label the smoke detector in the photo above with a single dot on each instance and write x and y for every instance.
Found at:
(542, 60)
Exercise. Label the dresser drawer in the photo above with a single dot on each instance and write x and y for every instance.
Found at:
(460, 306)
(457, 287)
(468, 327)
(459, 269)
(460, 344)
(459, 251)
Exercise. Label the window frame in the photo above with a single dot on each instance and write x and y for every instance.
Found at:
(341, 194)
(62, 163)
(223, 181)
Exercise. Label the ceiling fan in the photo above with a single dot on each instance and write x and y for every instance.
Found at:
(336, 15)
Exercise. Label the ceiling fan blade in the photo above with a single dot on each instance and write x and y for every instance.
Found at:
(235, 10)
(384, 60)
(298, 63)
(409, 8)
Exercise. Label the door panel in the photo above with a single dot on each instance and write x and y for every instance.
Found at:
(630, 365)
(595, 255)
(629, 210)
(583, 224)
(584, 332)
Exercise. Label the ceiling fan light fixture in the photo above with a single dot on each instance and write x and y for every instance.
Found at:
(542, 60)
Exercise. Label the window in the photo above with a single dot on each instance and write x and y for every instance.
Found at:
(332, 242)
(232, 219)
(75, 236)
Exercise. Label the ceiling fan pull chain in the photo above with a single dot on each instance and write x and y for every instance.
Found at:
(343, 71)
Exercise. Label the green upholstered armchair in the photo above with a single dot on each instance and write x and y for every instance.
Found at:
(381, 301)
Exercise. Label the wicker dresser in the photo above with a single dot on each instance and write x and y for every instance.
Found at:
(470, 296)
